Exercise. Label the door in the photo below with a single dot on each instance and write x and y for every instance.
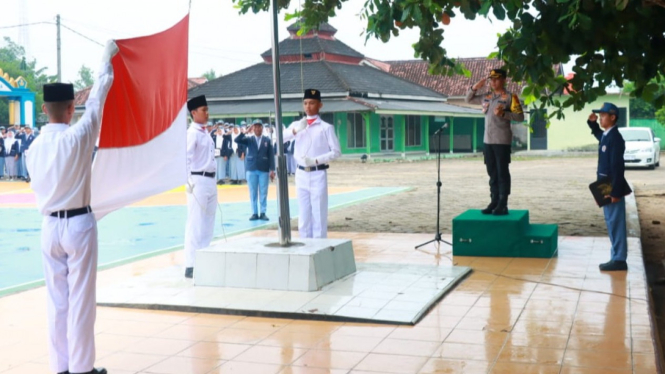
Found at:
(387, 134)
(538, 131)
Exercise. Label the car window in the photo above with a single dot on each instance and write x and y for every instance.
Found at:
(635, 135)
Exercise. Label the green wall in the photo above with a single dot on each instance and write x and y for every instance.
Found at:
(657, 127)
(573, 132)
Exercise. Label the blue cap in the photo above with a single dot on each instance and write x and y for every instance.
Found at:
(608, 108)
(257, 122)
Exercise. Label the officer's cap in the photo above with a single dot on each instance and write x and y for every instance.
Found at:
(498, 73)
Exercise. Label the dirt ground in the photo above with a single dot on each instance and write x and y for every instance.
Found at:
(554, 190)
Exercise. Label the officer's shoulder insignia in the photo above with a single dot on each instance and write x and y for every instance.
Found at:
(515, 105)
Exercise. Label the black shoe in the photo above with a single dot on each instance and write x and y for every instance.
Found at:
(189, 272)
(93, 371)
(614, 266)
(263, 217)
(254, 217)
(220, 182)
(492, 205)
(502, 206)
(63, 372)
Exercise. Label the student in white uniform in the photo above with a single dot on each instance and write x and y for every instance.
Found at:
(316, 145)
(60, 165)
(201, 184)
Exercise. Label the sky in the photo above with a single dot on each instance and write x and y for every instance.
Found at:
(220, 38)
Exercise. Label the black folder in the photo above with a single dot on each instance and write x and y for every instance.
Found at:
(600, 189)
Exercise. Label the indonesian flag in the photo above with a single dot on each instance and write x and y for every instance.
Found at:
(142, 144)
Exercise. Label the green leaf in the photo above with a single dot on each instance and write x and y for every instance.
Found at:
(499, 11)
(485, 8)
(621, 4)
(417, 14)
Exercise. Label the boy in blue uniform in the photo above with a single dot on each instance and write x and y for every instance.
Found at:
(260, 165)
(611, 165)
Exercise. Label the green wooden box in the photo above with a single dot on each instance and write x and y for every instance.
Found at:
(477, 234)
(540, 241)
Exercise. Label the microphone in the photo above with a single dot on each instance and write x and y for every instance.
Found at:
(441, 129)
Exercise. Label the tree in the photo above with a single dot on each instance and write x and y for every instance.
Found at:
(85, 78)
(12, 61)
(210, 74)
(614, 40)
(640, 108)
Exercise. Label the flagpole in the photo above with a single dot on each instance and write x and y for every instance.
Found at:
(282, 179)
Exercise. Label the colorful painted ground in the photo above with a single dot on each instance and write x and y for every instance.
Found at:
(153, 226)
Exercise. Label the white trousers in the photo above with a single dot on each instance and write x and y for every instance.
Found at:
(201, 208)
(69, 248)
(312, 190)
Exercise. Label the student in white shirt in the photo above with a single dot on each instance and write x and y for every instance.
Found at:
(316, 145)
(60, 165)
(201, 185)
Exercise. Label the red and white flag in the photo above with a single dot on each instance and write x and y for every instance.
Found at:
(142, 144)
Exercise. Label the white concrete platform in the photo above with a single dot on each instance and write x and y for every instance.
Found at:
(375, 293)
(255, 262)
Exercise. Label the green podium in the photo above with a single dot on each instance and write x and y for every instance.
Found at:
(477, 234)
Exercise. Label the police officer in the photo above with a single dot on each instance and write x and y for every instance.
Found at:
(500, 108)
(201, 186)
(60, 164)
(611, 166)
(316, 145)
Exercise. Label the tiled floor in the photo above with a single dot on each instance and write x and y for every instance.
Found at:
(509, 316)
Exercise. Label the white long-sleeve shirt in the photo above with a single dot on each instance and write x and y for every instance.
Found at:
(60, 158)
(200, 150)
(318, 141)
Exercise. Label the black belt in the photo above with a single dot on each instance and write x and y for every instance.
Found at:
(314, 168)
(72, 212)
(205, 174)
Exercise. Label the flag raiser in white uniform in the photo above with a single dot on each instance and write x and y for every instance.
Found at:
(318, 142)
(60, 162)
(202, 195)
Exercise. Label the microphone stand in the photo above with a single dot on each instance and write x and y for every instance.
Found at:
(437, 236)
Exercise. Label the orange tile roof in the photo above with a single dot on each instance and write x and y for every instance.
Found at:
(454, 86)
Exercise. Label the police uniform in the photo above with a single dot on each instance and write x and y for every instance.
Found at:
(611, 165)
(497, 139)
(316, 145)
(60, 164)
(201, 188)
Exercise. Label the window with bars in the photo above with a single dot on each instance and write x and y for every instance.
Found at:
(355, 131)
(413, 131)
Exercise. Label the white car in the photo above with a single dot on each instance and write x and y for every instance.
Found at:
(642, 147)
